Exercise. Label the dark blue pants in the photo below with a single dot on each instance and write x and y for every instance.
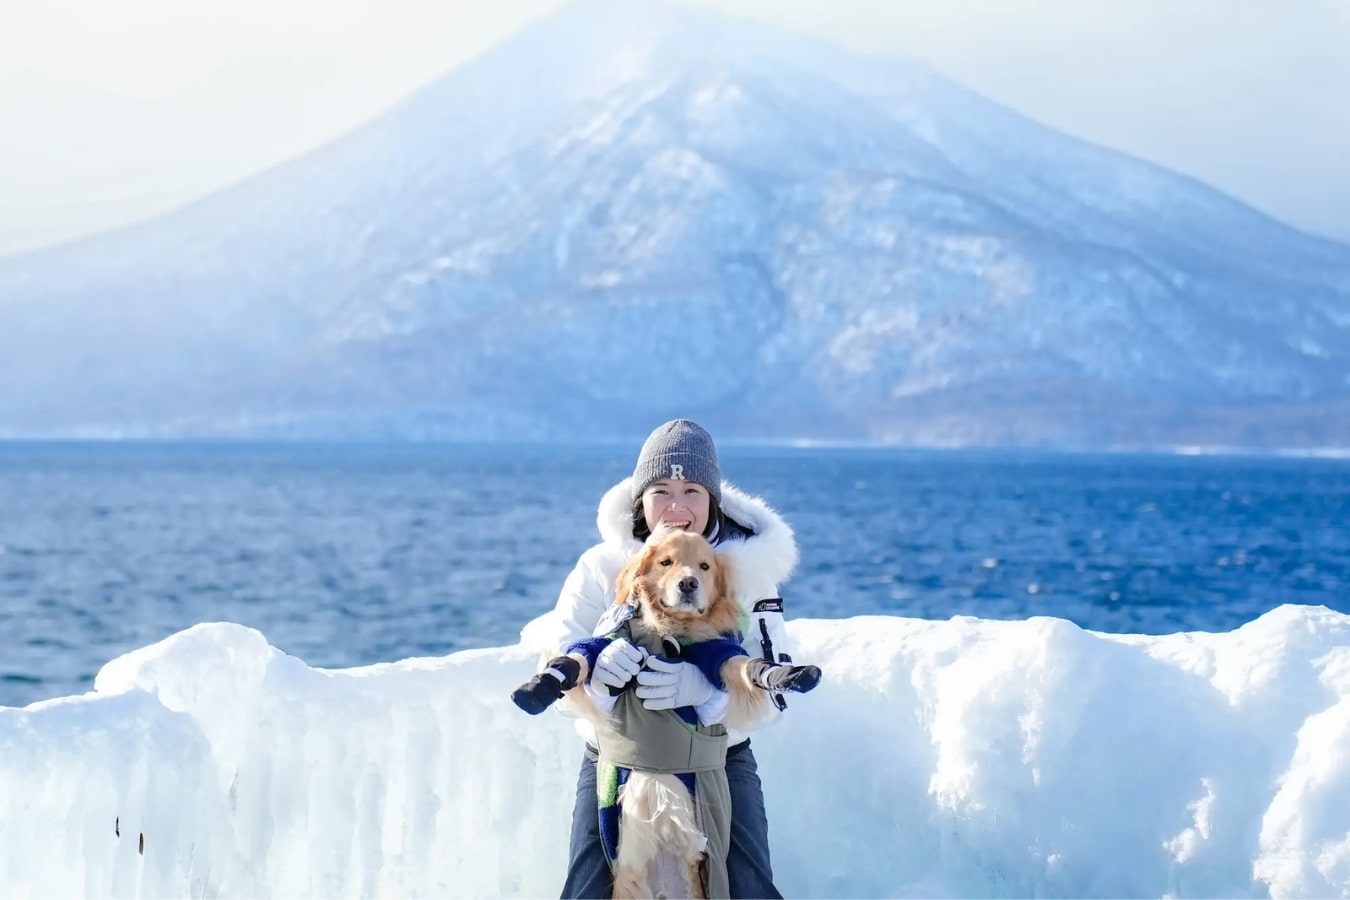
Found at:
(748, 868)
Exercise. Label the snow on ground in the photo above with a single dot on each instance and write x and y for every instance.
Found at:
(955, 758)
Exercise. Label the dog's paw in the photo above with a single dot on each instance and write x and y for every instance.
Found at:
(779, 678)
(799, 679)
(544, 689)
(537, 694)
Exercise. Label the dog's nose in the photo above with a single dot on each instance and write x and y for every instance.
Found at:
(688, 585)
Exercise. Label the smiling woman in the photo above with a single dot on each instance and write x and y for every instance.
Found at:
(676, 484)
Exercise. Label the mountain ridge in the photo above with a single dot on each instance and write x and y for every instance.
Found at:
(859, 249)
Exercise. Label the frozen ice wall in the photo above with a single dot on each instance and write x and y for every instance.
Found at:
(956, 758)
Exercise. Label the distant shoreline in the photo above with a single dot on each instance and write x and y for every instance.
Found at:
(727, 445)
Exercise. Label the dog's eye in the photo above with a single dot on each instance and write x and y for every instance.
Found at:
(666, 562)
(704, 566)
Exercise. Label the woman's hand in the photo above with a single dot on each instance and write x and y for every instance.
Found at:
(616, 665)
(670, 684)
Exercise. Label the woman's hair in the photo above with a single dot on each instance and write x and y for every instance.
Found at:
(717, 521)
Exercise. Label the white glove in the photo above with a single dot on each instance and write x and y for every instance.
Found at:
(667, 685)
(617, 664)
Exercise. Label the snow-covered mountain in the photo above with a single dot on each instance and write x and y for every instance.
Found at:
(633, 211)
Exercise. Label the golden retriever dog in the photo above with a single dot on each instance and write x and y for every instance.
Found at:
(681, 585)
(675, 602)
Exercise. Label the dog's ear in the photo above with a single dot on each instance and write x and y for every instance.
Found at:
(623, 585)
(636, 567)
(724, 613)
(722, 579)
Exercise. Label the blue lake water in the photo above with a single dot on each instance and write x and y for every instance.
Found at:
(346, 555)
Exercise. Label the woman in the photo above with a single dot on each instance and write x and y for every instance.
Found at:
(677, 481)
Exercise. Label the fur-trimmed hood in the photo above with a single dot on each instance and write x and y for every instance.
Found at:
(769, 555)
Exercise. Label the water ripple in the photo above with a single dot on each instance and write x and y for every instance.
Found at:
(352, 555)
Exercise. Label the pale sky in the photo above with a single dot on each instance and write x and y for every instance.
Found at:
(116, 110)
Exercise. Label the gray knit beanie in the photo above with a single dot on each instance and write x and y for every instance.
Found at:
(681, 449)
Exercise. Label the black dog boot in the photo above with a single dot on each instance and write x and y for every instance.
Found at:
(779, 678)
(544, 689)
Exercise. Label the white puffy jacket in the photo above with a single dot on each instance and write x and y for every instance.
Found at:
(760, 563)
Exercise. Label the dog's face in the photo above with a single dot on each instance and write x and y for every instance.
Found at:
(677, 578)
